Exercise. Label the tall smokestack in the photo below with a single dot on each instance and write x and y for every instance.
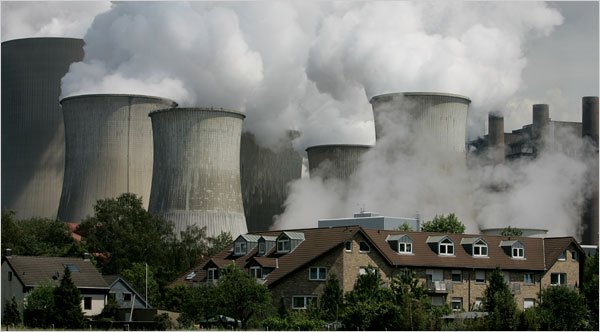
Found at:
(541, 119)
(108, 150)
(265, 177)
(440, 116)
(335, 161)
(589, 128)
(496, 137)
(196, 176)
(33, 136)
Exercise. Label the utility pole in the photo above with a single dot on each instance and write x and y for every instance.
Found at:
(146, 285)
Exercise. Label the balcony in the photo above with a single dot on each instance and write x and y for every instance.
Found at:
(439, 287)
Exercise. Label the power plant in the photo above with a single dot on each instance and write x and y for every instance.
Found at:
(265, 175)
(589, 130)
(108, 150)
(196, 174)
(33, 144)
(335, 161)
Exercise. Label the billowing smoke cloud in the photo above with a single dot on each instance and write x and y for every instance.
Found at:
(26, 19)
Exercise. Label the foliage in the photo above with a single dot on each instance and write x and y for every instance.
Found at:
(562, 309)
(67, 303)
(219, 243)
(529, 320)
(511, 231)
(411, 297)
(332, 300)
(297, 320)
(196, 304)
(500, 304)
(405, 227)
(162, 322)
(11, 314)
(444, 224)
(39, 308)
(38, 237)
(110, 310)
(589, 288)
(136, 277)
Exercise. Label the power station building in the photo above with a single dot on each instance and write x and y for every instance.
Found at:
(108, 150)
(196, 173)
(33, 141)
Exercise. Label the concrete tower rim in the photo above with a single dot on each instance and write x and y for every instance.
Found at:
(422, 93)
(118, 95)
(366, 146)
(198, 109)
(18, 40)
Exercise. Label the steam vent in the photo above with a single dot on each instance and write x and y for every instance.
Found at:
(335, 161)
(196, 176)
(33, 137)
(441, 116)
(265, 177)
(108, 150)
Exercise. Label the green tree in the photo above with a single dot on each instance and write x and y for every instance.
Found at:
(217, 244)
(529, 320)
(197, 303)
(11, 314)
(411, 297)
(589, 288)
(511, 231)
(332, 301)
(239, 296)
(405, 228)
(444, 224)
(136, 277)
(39, 308)
(562, 309)
(500, 304)
(110, 310)
(67, 303)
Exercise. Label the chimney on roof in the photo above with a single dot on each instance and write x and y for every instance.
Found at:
(7, 253)
(86, 256)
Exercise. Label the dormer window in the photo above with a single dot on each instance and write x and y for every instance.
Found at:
(261, 248)
(283, 245)
(401, 244)
(244, 244)
(518, 252)
(515, 248)
(480, 248)
(265, 244)
(446, 247)
(476, 246)
(288, 241)
(240, 248)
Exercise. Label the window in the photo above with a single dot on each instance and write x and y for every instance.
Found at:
(302, 302)
(256, 272)
(348, 245)
(9, 275)
(478, 303)
(364, 247)
(457, 303)
(317, 273)
(574, 255)
(87, 303)
(528, 278)
(446, 247)
(405, 245)
(456, 275)
(283, 245)
(558, 279)
(126, 297)
(437, 300)
(479, 276)
(240, 248)
(528, 303)
(72, 267)
(563, 256)
(211, 274)
(364, 270)
(190, 275)
(262, 247)
(480, 249)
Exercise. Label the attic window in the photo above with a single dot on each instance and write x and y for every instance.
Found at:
(401, 244)
(363, 247)
(480, 248)
(446, 247)
(283, 245)
(516, 250)
(262, 247)
(240, 248)
(563, 256)
(72, 267)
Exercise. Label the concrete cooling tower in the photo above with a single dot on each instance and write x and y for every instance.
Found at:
(265, 177)
(442, 117)
(335, 161)
(589, 129)
(32, 125)
(108, 150)
(196, 176)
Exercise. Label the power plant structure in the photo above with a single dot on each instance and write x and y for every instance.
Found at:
(496, 138)
(33, 142)
(441, 118)
(335, 161)
(108, 150)
(196, 173)
(265, 175)
(589, 130)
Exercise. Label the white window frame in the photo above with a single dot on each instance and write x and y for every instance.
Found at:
(446, 244)
(320, 272)
(477, 279)
(478, 303)
(479, 247)
(456, 300)
(305, 301)
(560, 276)
(529, 301)
(529, 280)
(363, 270)
(517, 251)
(366, 244)
(256, 272)
(262, 248)
(562, 256)
(211, 272)
(348, 244)
(284, 245)
(240, 248)
(405, 246)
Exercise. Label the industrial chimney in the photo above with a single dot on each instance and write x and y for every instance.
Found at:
(335, 161)
(265, 175)
(196, 175)
(496, 137)
(589, 129)
(541, 119)
(108, 150)
(33, 141)
(440, 116)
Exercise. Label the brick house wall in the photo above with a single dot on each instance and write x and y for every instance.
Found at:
(570, 266)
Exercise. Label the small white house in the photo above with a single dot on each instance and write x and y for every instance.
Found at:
(20, 274)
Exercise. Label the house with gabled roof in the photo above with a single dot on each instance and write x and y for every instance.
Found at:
(454, 267)
(21, 274)
(125, 295)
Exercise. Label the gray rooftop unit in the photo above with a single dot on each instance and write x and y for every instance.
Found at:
(108, 150)
(372, 220)
(196, 175)
(335, 161)
(33, 141)
(441, 116)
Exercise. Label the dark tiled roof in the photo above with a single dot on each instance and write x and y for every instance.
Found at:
(32, 270)
(554, 246)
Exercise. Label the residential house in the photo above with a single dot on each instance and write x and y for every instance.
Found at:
(20, 274)
(125, 295)
(455, 268)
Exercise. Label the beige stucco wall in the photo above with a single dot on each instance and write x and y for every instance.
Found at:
(98, 301)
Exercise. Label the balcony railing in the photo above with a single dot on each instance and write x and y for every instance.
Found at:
(439, 286)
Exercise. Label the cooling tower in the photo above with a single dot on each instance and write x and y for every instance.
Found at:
(496, 137)
(335, 161)
(440, 117)
(589, 128)
(541, 119)
(196, 177)
(32, 125)
(108, 150)
(265, 178)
